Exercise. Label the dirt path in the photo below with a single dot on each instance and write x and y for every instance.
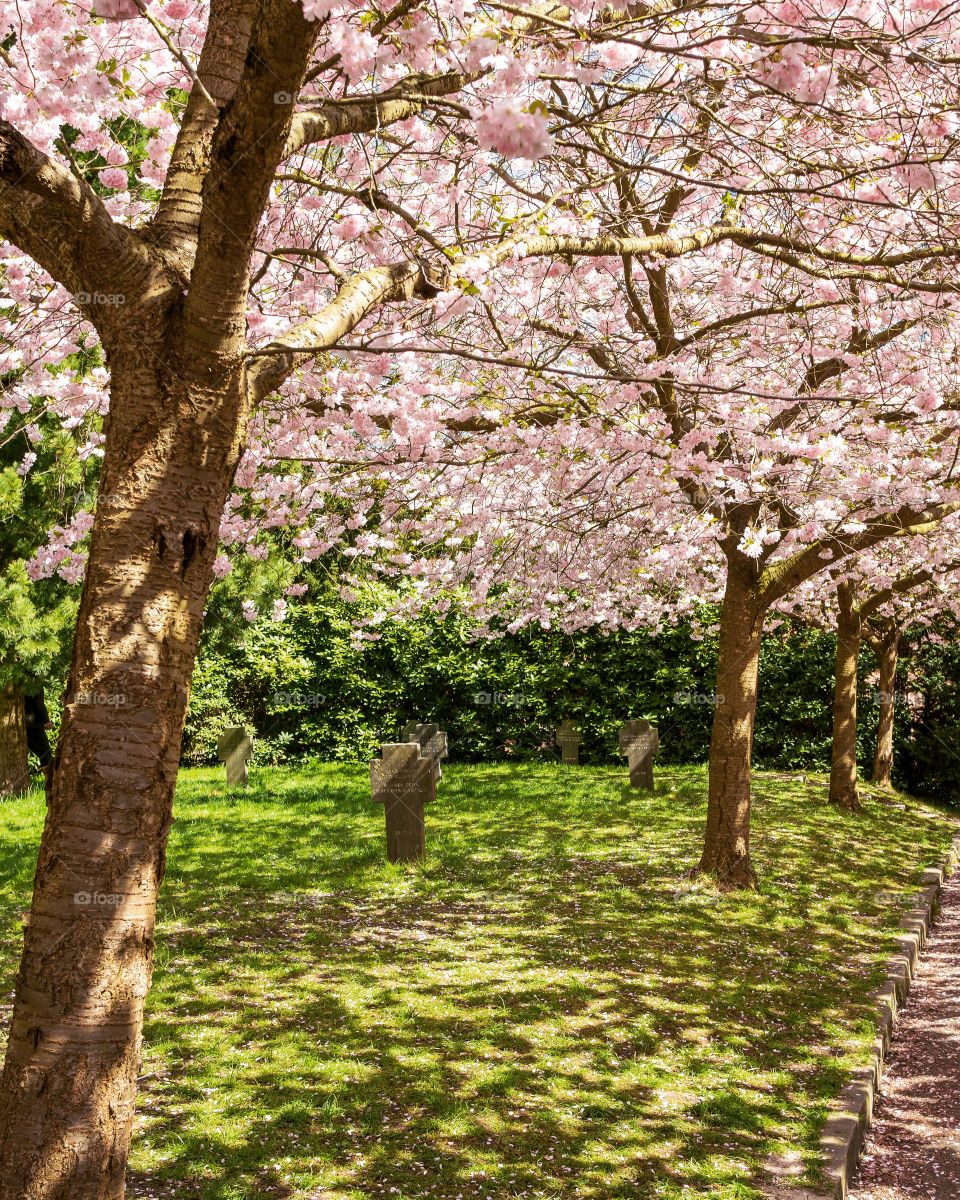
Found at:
(913, 1152)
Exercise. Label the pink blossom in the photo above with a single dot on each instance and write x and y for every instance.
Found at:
(114, 177)
(117, 10)
(316, 10)
(513, 132)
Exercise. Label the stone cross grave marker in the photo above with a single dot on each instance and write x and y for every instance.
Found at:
(431, 739)
(403, 780)
(640, 741)
(568, 739)
(235, 749)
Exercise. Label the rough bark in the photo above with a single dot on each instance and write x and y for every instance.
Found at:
(178, 408)
(14, 768)
(726, 852)
(177, 220)
(843, 764)
(888, 652)
(69, 1081)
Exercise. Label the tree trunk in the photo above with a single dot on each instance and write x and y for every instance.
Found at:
(69, 1079)
(888, 652)
(726, 851)
(843, 765)
(14, 767)
(176, 348)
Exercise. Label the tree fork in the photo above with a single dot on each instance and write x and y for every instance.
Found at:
(178, 408)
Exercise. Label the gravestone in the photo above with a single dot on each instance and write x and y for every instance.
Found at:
(235, 749)
(431, 739)
(403, 779)
(568, 739)
(640, 741)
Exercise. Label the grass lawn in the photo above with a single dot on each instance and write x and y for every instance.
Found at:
(546, 1008)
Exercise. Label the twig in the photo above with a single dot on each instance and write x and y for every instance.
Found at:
(177, 54)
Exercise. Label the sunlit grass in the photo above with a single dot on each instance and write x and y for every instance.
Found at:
(546, 1008)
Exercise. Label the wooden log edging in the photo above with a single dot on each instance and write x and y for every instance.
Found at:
(846, 1128)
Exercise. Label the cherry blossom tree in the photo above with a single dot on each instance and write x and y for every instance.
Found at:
(734, 475)
(781, 352)
(905, 580)
(206, 203)
(884, 636)
(855, 611)
(150, 257)
(884, 633)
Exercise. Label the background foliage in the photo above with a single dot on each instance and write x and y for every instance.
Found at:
(928, 709)
(36, 617)
(308, 688)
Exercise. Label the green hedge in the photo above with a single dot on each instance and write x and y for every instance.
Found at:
(308, 689)
(928, 714)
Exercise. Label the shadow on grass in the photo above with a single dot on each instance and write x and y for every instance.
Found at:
(545, 1008)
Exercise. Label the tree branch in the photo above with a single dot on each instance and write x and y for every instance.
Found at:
(372, 198)
(365, 114)
(364, 293)
(357, 298)
(901, 587)
(219, 69)
(60, 221)
(782, 577)
(249, 139)
(832, 368)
